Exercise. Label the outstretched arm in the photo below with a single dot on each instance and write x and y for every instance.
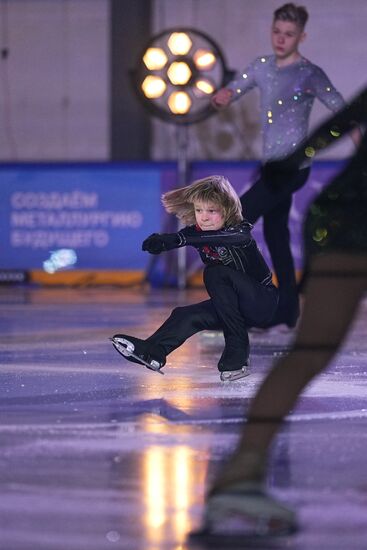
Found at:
(237, 235)
(190, 236)
(242, 83)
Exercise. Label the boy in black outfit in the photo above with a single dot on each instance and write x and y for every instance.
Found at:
(236, 277)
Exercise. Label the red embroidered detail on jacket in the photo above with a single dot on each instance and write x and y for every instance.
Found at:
(209, 251)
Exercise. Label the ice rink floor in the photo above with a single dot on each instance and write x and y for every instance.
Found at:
(98, 453)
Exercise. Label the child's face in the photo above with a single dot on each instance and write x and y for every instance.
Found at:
(285, 38)
(209, 216)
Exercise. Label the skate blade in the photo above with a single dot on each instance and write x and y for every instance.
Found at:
(231, 536)
(126, 349)
(230, 376)
(210, 538)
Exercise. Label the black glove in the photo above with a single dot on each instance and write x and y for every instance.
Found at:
(153, 244)
(160, 242)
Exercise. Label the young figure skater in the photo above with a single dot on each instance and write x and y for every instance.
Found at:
(236, 277)
(288, 85)
(335, 235)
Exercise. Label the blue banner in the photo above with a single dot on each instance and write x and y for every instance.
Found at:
(56, 217)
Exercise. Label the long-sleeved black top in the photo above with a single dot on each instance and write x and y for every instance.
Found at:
(231, 246)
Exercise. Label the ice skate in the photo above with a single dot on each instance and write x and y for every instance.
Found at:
(233, 365)
(135, 350)
(246, 509)
(231, 375)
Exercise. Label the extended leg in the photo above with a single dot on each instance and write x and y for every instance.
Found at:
(277, 237)
(185, 321)
(180, 325)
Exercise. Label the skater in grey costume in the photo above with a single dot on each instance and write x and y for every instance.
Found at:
(288, 84)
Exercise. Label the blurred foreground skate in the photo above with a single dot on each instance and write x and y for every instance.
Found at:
(245, 510)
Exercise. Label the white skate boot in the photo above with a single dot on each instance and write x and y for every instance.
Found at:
(263, 515)
(234, 363)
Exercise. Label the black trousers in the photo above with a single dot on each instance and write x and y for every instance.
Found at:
(274, 205)
(236, 302)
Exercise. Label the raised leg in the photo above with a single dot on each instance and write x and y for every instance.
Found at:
(184, 322)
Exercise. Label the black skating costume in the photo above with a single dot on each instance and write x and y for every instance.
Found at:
(238, 282)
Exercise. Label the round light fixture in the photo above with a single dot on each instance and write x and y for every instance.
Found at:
(178, 72)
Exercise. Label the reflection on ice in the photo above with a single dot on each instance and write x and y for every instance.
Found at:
(171, 479)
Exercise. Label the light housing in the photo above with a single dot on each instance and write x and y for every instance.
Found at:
(177, 73)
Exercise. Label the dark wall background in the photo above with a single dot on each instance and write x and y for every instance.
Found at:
(130, 125)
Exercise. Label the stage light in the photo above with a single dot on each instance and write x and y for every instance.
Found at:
(179, 43)
(204, 59)
(153, 86)
(154, 59)
(204, 86)
(179, 73)
(179, 103)
(180, 60)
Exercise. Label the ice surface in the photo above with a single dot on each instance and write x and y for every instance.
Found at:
(99, 453)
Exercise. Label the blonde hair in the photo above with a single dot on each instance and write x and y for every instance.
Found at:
(216, 189)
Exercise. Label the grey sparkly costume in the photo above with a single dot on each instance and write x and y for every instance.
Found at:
(287, 95)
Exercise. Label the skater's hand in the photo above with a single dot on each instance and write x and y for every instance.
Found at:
(160, 242)
(222, 98)
(153, 244)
